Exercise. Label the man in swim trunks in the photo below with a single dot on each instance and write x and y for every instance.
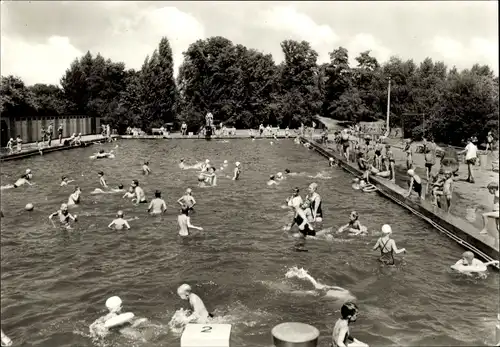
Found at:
(139, 193)
(157, 205)
(187, 199)
(145, 168)
(119, 223)
(391, 162)
(199, 311)
(102, 180)
(60, 133)
(295, 199)
(185, 222)
(415, 184)
(64, 216)
(430, 157)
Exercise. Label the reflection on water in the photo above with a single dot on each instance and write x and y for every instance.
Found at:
(55, 282)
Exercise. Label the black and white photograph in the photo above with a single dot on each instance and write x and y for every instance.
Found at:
(249, 173)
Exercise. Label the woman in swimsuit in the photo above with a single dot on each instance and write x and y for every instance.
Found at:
(391, 161)
(315, 199)
(409, 155)
(415, 184)
(387, 246)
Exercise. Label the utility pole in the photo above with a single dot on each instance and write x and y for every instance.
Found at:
(388, 106)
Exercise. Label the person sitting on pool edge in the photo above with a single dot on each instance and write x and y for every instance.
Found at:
(139, 193)
(493, 190)
(387, 246)
(199, 311)
(354, 226)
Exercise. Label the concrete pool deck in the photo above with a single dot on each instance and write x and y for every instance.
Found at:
(31, 149)
(458, 229)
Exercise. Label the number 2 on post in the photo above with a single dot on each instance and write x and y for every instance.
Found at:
(206, 329)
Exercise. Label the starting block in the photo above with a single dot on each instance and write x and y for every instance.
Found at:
(292, 334)
(206, 335)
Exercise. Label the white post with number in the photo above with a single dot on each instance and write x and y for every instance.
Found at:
(206, 335)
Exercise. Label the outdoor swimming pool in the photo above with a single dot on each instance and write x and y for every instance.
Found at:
(55, 283)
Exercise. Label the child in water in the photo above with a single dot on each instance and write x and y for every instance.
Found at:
(64, 216)
(354, 226)
(145, 168)
(114, 306)
(130, 194)
(472, 263)
(199, 311)
(119, 222)
(341, 335)
(271, 181)
(387, 246)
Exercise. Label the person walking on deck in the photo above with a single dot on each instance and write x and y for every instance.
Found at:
(470, 159)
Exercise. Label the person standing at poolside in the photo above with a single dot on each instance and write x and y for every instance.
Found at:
(409, 155)
(185, 222)
(430, 157)
(470, 158)
(187, 199)
(50, 129)
(493, 189)
(60, 133)
(157, 205)
(139, 193)
(183, 128)
(19, 143)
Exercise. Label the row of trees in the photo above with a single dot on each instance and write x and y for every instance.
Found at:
(244, 87)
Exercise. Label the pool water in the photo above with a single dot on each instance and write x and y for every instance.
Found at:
(55, 283)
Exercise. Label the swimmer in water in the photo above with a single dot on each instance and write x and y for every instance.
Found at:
(185, 222)
(287, 171)
(295, 199)
(237, 171)
(102, 180)
(355, 184)
(130, 194)
(181, 164)
(473, 264)
(331, 162)
(305, 228)
(74, 198)
(114, 306)
(341, 336)
(140, 197)
(118, 189)
(24, 179)
(387, 246)
(65, 181)
(64, 216)
(119, 222)
(6, 341)
(210, 177)
(157, 205)
(271, 181)
(279, 176)
(145, 168)
(315, 200)
(187, 199)
(199, 311)
(205, 166)
(354, 226)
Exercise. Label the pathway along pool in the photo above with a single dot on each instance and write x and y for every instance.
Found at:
(55, 283)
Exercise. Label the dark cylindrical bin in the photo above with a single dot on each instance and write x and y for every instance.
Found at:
(295, 335)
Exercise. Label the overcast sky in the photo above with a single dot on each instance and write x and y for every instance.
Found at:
(41, 39)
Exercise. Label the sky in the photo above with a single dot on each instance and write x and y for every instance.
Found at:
(40, 39)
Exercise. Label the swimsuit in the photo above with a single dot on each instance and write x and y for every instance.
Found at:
(386, 257)
(319, 212)
(417, 187)
(307, 230)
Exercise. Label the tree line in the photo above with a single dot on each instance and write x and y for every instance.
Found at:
(243, 87)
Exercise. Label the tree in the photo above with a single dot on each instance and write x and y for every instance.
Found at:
(16, 99)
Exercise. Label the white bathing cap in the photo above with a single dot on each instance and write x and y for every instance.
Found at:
(386, 229)
(207, 161)
(237, 163)
(183, 289)
(113, 303)
(411, 172)
(279, 174)
(64, 206)
(28, 171)
(331, 159)
(189, 190)
(225, 161)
